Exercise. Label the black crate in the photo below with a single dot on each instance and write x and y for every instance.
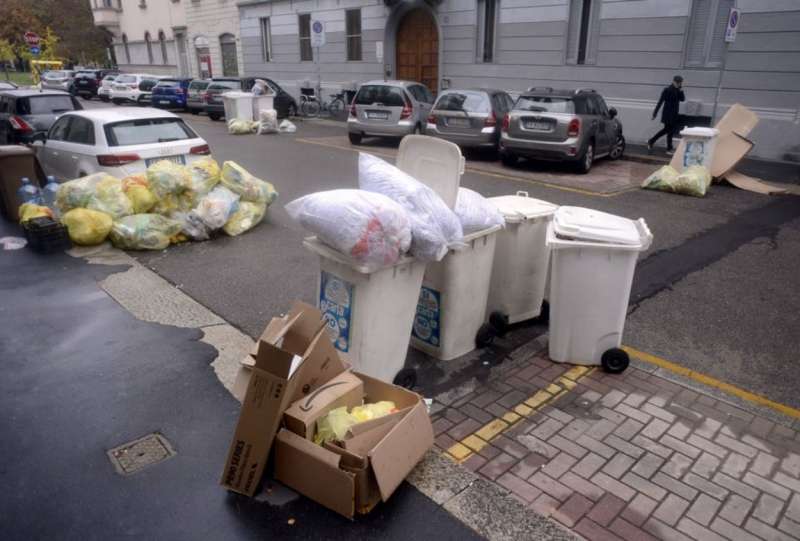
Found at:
(46, 235)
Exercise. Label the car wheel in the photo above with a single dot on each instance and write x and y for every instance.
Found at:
(585, 163)
(508, 159)
(194, 111)
(618, 149)
(87, 97)
(214, 116)
(293, 110)
(355, 138)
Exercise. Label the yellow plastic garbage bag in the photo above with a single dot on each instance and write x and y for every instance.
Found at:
(139, 179)
(144, 232)
(138, 191)
(246, 217)
(695, 180)
(250, 188)
(337, 422)
(87, 227)
(108, 197)
(204, 174)
(168, 178)
(241, 127)
(29, 211)
(77, 193)
(368, 412)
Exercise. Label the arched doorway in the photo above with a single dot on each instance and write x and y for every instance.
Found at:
(418, 49)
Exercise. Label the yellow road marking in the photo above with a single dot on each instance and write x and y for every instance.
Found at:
(713, 382)
(480, 171)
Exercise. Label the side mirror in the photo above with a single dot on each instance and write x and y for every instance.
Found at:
(612, 112)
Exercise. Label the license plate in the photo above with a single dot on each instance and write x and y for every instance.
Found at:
(458, 122)
(83, 83)
(378, 115)
(176, 159)
(537, 125)
(163, 102)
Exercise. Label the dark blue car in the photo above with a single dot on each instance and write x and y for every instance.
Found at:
(170, 93)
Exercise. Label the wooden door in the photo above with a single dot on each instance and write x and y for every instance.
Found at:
(418, 49)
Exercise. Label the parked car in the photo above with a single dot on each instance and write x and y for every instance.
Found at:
(26, 115)
(7, 85)
(562, 125)
(104, 92)
(388, 109)
(469, 118)
(87, 82)
(170, 93)
(132, 88)
(194, 95)
(285, 105)
(57, 80)
(119, 141)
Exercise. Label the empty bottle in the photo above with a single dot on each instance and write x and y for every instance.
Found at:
(28, 192)
(49, 193)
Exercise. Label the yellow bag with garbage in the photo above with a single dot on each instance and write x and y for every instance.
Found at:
(334, 425)
(77, 193)
(29, 211)
(144, 232)
(137, 188)
(168, 178)
(694, 181)
(238, 126)
(108, 197)
(250, 188)
(246, 217)
(87, 227)
(204, 174)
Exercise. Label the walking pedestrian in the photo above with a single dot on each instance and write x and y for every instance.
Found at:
(670, 98)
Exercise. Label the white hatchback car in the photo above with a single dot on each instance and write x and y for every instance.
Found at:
(119, 141)
(132, 87)
(104, 90)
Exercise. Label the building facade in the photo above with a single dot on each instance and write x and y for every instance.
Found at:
(214, 46)
(626, 49)
(149, 36)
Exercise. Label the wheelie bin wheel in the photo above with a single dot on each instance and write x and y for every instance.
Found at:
(499, 321)
(615, 361)
(407, 378)
(544, 313)
(485, 335)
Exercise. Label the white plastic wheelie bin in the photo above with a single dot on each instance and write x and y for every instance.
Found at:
(593, 257)
(238, 105)
(699, 146)
(521, 261)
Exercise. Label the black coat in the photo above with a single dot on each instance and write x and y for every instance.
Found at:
(670, 99)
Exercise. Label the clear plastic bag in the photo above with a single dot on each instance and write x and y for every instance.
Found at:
(286, 126)
(434, 227)
(475, 212)
(77, 193)
(108, 197)
(87, 227)
(144, 232)
(204, 174)
(216, 207)
(168, 178)
(268, 121)
(191, 225)
(369, 227)
(246, 217)
(250, 188)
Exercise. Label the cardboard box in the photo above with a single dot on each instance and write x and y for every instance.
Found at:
(301, 417)
(348, 482)
(294, 357)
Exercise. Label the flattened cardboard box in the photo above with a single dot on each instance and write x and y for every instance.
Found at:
(331, 477)
(294, 357)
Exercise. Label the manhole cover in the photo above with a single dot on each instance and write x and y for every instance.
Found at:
(138, 454)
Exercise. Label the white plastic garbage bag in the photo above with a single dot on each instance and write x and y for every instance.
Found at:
(268, 121)
(191, 225)
(475, 212)
(287, 126)
(216, 207)
(434, 227)
(369, 227)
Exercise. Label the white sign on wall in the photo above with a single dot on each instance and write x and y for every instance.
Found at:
(379, 51)
(733, 24)
(317, 34)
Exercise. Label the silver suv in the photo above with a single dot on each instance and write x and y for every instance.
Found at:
(561, 125)
(388, 109)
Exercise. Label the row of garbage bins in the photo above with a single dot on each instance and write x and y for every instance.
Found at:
(501, 275)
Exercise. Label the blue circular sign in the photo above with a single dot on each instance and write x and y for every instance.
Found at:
(317, 27)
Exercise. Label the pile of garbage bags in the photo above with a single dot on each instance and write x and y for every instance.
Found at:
(167, 204)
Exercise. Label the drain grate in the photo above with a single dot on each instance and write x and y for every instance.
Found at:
(138, 454)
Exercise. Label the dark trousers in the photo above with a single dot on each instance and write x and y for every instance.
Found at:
(668, 130)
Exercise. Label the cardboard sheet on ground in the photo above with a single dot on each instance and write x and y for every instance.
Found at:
(745, 182)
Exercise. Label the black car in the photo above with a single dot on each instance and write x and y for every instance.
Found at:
(86, 82)
(26, 115)
(284, 103)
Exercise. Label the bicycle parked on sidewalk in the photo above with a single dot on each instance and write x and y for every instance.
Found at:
(311, 106)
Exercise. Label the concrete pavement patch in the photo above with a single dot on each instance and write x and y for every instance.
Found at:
(439, 478)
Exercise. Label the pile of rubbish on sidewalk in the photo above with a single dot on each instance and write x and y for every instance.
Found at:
(338, 436)
(705, 155)
(169, 203)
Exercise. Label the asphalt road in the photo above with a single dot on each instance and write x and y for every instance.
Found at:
(717, 292)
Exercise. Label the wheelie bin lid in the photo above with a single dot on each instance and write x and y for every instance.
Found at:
(516, 208)
(578, 223)
(434, 162)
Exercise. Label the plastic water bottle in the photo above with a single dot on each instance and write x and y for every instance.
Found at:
(28, 192)
(49, 193)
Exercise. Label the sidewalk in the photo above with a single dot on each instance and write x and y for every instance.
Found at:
(632, 456)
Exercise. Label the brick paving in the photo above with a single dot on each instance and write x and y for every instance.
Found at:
(630, 456)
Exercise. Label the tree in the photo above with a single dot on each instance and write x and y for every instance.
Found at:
(16, 18)
(6, 55)
(48, 44)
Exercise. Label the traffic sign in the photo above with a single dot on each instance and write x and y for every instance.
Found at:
(317, 34)
(32, 38)
(733, 24)
(35, 50)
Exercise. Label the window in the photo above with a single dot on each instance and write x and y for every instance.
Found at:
(230, 65)
(266, 39)
(600, 105)
(487, 20)
(391, 96)
(59, 130)
(304, 22)
(584, 26)
(705, 44)
(542, 104)
(147, 131)
(81, 131)
(127, 50)
(45, 105)
(353, 34)
(471, 101)
(162, 41)
(149, 47)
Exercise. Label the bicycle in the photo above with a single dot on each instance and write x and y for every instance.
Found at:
(312, 107)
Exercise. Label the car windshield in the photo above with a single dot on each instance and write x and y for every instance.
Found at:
(126, 79)
(45, 105)
(85, 75)
(168, 83)
(390, 96)
(545, 104)
(198, 85)
(224, 85)
(109, 77)
(55, 74)
(472, 102)
(147, 131)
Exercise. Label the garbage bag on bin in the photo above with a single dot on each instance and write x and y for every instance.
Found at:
(475, 212)
(29, 211)
(434, 227)
(108, 197)
(144, 232)
(87, 227)
(250, 188)
(216, 207)
(246, 217)
(369, 227)
(168, 178)
(76, 193)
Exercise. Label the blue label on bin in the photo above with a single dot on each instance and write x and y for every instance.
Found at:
(695, 153)
(335, 303)
(427, 321)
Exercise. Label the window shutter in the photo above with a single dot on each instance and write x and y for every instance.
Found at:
(698, 27)
(717, 48)
(573, 30)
